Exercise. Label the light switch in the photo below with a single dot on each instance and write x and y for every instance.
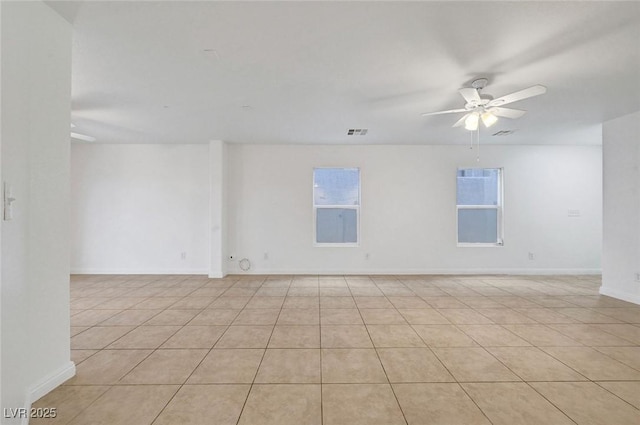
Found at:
(8, 200)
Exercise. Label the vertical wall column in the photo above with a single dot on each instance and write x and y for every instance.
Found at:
(621, 227)
(217, 208)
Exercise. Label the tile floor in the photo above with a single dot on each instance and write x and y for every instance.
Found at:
(349, 350)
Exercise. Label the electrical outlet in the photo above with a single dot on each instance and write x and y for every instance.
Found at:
(532, 256)
(637, 277)
(366, 256)
(183, 255)
(266, 256)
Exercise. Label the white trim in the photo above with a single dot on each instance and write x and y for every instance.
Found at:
(621, 295)
(139, 271)
(48, 384)
(216, 275)
(325, 271)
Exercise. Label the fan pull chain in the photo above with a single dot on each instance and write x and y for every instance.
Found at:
(478, 141)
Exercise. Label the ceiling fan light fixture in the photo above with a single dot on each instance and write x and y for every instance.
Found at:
(471, 123)
(488, 119)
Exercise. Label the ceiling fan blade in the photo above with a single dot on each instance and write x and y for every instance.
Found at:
(450, 111)
(84, 137)
(470, 95)
(519, 95)
(460, 122)
(506, 112)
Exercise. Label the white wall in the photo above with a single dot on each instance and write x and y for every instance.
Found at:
(36, 86)
(408, 220)
(137, 208)
(621, 245)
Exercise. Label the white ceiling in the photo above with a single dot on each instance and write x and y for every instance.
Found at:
(305, 72)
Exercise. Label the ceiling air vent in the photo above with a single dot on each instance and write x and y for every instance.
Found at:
(357, 131)
(504, 133)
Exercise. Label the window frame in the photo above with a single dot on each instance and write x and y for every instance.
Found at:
(353, 207)
(499, 207)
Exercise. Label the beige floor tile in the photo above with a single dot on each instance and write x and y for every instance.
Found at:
(345, 336)
(625, 331)
(546, 315)
(239, 292)
(443, 336)
(542, 336)
(266, 302)
(382, 316)
(203, 404)
(504, 315)
(98, 337)
(245, 337)
(78, 356)
(75, 330)
(586, 315)
(68, 401)
(628, 391)
(627, 355)
(299, 316)
(514, 404)
(593, 364)
(444, 302)
(92, 317)
(130, 318)
(532, 364)
(229, 303)
(464, 316)
(195, 337)
(373, 302)
(590, 335)
(119, 303)
(303, 292)
(107, 367)
(425, 316)
(480, 302)
(629, 315)
(271, 292)
(408, 302)
(441, 404)
(215, 317)
(474, 365)
(289, 336)
(340, 316)
(301, 302)
(290, 366)
(603, 407)
(228, 366)
(155, 303)
(265, 405)
(173, 317)
(165, 367)
(127, 404)
(337, 303)
(257, 316)
(335, 292)
(359, 291)
(413, 365)
(360, 365)
(493, 336)
(196, 301)
(394, 336)
(145, 337)
(360, 404)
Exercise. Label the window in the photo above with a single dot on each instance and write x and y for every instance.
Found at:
(336, 206)
(479, 206)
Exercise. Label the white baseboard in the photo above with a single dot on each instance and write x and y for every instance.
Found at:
(217, 275)
(48, 384)
(621, 295)
(505, 271)
(139, 271)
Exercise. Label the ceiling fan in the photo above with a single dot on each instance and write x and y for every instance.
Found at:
(486, 108)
